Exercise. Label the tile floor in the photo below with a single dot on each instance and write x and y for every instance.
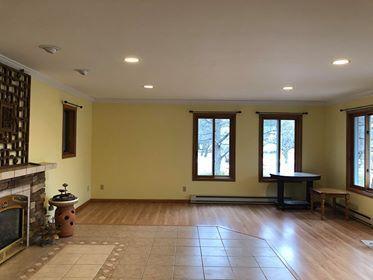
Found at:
(75, 262)
(161, 252)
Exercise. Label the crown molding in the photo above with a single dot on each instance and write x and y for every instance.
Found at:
(44, 78)
(350, 96)
(208, 101)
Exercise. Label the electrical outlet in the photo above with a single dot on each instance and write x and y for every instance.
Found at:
(184, 189)
(102, 187)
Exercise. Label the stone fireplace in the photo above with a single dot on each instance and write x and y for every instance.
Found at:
(26, 183)
(22, 184)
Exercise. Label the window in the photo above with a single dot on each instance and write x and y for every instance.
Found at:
(360, 152)
(69, 132)
(280, 144)
(214, 146)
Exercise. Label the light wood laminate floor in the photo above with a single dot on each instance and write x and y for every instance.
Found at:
(314, 249)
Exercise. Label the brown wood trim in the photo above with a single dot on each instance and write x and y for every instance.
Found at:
(72, 133)
(266, 180)
(298, 143)
(367, 152)
(81, 207)
(232, 146)
(349, 150)
(139, 200)
(260, 145)
(298, 140)
(214, 112)
(232, 150)
(366, 191)
(213, 150)
(68, 155)
(195, 149)
(279, 144)
(214, 178)
(361, 191)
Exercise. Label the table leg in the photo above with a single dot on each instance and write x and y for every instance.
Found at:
(312, 199)
(309, 187)
(280, 194)
(335, 204)
(322, 206)
(346, 206)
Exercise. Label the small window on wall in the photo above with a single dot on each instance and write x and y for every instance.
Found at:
(360, 152)
(214, 146)
(69, 131)
(280, 144)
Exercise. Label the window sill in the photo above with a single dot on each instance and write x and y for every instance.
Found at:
(68, 155)
(361, 191)
(267, 180)
(217, 179)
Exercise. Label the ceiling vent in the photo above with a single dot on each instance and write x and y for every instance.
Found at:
(50, 48)
(83, 72)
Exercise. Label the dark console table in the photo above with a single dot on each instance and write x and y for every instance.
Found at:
(283, 178)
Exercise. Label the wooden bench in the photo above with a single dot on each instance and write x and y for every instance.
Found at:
(324, 193)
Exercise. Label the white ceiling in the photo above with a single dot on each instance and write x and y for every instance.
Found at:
(196, 49)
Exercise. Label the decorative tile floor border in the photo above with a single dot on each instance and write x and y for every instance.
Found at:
(31, 270)
(111, 262)
(139, 235)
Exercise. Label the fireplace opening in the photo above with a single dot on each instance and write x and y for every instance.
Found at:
(11, 223)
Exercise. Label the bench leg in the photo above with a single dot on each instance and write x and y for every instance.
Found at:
(347, 196)
(322, 206)
(335, 204)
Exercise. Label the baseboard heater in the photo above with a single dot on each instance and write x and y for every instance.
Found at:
(232, 199)
(358, 216)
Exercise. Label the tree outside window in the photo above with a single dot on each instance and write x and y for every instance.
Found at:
(280, 144)
(213, 157)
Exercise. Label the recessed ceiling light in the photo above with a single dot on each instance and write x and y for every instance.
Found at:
(288, 88)
(341, 61)
(131, 59)
(50, 48)
(83, 72)
(148, 86)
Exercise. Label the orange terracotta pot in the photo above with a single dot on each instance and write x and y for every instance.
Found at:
(65, 220)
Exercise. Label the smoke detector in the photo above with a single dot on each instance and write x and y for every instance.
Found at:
(50, 48)
(83, 72)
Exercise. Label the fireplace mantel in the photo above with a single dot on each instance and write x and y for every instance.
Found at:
(31, 168)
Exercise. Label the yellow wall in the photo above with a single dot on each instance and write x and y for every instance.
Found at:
(46, 140)
(335, 157)
(144, 151)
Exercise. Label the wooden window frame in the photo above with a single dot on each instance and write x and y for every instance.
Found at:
(298, 141)
(232, 146)
(73, 127)
(350, 186)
